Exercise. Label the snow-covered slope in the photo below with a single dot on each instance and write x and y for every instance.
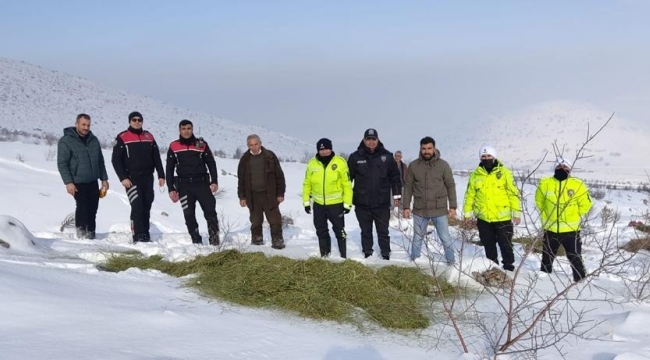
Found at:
(38, 100)
(521, 138)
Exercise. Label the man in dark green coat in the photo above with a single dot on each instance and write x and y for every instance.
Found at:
(81, 164)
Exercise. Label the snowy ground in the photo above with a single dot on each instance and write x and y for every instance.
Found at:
(57, 305)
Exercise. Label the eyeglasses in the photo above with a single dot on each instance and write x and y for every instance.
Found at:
(136, 119)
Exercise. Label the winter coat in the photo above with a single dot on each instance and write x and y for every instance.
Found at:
(493, 196)
(136, 153)
(403, 171)
(431, 185)
(327, 185)
(191, 158)
(562, 204)
(275, 182)
(78, 161)
(374, 174)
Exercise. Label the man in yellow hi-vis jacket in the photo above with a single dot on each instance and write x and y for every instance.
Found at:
(493, 199)
(327, 182)
(562, 201)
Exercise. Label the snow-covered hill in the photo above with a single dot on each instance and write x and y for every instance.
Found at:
(522, 138)
(38, 100)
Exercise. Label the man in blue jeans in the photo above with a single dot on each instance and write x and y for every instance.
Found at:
(431, 184)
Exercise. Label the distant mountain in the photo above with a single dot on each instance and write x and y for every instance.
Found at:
(521, 138)
(38, 100)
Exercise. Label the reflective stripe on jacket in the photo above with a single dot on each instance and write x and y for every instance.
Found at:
(327, 185)
(562, 204)
(493, 196)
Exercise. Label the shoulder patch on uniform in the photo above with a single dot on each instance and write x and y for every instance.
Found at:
(334, 166)
(499, 175)
(383, 158)
(571, 192)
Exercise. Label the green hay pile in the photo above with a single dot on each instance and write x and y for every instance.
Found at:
(392, 296)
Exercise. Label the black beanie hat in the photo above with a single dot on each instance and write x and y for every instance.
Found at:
(323, 144)
(135, 114)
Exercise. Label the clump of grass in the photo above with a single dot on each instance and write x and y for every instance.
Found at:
(392, 296)
(537, 243)
(638, 244)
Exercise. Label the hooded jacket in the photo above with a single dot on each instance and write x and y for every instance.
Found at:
(80, 161)
(374, 175)
(430, 183)
(327, 184)
(492, 196)
(562, 204)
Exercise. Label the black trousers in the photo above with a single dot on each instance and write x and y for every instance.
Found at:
(572, 246)
(189, 194)
(334, 214)
(259, 206)
(141, 197)
(380, 217)
(87, 202)
(493, 233)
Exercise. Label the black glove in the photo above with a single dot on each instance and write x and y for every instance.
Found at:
(346, 210)
(308, 209)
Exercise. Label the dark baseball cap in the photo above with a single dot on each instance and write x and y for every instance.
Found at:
(371, 133)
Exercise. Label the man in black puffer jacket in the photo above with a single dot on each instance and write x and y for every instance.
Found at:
(374, 173)
(190, 156)
(81, 164)
(135, 155)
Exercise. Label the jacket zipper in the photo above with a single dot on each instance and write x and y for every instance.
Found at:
(324, 176)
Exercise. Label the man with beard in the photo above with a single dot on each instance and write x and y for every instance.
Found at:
(81, 163)
(563, 201)
(374, 173)
(327, 183)
(192, 158)
(492, 198)
(431, 183)
(135, 156)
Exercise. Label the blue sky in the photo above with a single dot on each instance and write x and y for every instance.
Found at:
(333, 68)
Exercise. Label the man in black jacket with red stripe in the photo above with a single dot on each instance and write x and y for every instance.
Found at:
(190, 156)
(135, 155)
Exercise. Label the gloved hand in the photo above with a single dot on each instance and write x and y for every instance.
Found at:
(308, 209)
(346, 210)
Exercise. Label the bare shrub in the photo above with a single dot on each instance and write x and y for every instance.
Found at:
(20, 158)
(221, 192)
(638, 244)
(598, 193)
(306, 156)
(50, 154)
(287, 220)
(608, 216)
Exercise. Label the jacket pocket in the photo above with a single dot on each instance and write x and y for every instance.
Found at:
(441, 202)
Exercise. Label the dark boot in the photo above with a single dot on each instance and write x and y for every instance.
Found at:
(278, 244)
(82, 233)
(141, 238)
(214, 239)
(257, 241)
(213, 231)
(90, 235)
(196, 237)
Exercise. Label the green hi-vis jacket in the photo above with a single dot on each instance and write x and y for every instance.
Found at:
(327, 185)
(493, 196)
(562, 204)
